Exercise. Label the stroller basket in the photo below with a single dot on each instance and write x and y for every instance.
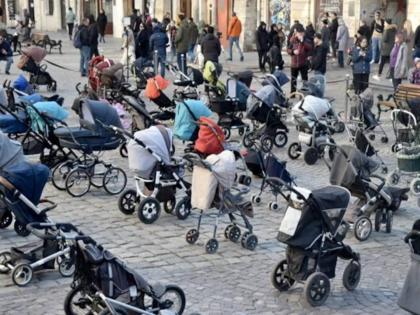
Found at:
(409, 159)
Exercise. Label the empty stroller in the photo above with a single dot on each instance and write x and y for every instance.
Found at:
(313, 230)
(354, 170)
(76, 176)
(213, 187)
(53, 250)
(310, 115)
(158, 175)
(409, 296)
(30, 62)
(405, 126)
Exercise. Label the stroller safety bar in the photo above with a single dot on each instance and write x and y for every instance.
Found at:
(275, 181)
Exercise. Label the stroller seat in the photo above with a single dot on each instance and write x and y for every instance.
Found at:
(26, 251)
(78, 138)
(395, 192)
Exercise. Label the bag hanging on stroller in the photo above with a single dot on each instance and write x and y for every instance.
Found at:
(210, 137)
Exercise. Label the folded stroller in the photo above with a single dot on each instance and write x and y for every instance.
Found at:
(409, 296)
(77, 175)
(53, 249)
(354, 170)
(213, 186)
(104, 284)
(313, 230)
(310, 115)
(157, 174)
(30, 62)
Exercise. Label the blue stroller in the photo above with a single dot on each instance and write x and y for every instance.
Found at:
(76, 176)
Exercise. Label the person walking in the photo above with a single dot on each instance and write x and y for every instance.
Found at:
(299, 50)
(342, 40)
(325, 32)
(333, 27)
(6, 54)
(361, 58)
(377, 30)
(414, 73)
(93, 36)
(70, 18)
(85, 46)
(157, 44)
(182, 41)
(388, 39)
(128, 47)
(193, 33)
(409, 40)
(210, 47)
(398, 64)
(234, 31)
(141, 49)
(102, 22)
(263, 44)
(319, 56)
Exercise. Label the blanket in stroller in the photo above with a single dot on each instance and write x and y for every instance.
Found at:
(220, 173)
(187, 114)
(313, 107)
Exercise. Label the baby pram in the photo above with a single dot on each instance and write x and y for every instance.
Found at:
(30, 62)
(409, 296)
(157, 174)
(213, 186)
(313, 230)
(405, 126)
(354, 170)
(103, 74)
(310, 115)
(76, 176)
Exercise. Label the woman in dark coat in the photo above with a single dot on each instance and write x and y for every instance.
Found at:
(102, 22)
(263, 44)
(273, 35)
(142, 46)
(93, 36)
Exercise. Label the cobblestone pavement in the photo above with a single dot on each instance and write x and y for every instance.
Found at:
(234, 280)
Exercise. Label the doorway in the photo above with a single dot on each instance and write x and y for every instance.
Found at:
(185, 7)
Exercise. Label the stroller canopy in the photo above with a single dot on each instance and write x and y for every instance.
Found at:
(11, 151)
(35, 52)
(95, 113)
(187, 114)
(277, 79)
(313, 106)
(270, 95)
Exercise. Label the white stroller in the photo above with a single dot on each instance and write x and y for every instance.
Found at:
(213, 184)
(158, 175)
(311, 118)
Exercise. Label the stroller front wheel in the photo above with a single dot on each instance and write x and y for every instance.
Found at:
(169, 205)
(351, 275)
(317, 288)
(5, 258)
(21, 229)
(114, 180)
(78, 182)
(127, 201)
(362, 228)
(249, 241)
(280, 139)
(294, 151)
(6, 219)
(183, 208)
(22, 273)
(266, 143)
(279, 278)
(148, 210)
(66, 267)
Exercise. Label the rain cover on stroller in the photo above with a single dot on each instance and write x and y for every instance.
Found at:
(159, 140)
(205, 181)
(312, 106)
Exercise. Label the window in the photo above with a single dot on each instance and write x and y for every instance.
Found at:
(50, 7)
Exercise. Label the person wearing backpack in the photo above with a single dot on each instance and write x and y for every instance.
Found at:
(82, 42)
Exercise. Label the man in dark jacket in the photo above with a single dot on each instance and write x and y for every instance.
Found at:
(319, 56)
(210, 46)
(333, 33)
(299, 49)
(93, 36)
(193, 32)
(263, 44)
(325, 32)
(387, 43)
(85, 49)
(6, 54)
(158, 42)
(182, 40)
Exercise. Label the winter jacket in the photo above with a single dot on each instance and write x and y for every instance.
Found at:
(6, 46)
(102, 22)
(182, 38)
(304, 48)
(93, 35)
(388, 40)
(262, 39)
(333, 28)
(414, 76)
(142, 44)
(365, 31)
(325, 32)
(272, 36)
(361, 64)
(310, 33)
(275, 57)
(210, 48)
(401, 67)
(342, 37)
(193, 32)
(235, 27)
(84, 35)
(158, 41)
(319, 59)
(70, 17)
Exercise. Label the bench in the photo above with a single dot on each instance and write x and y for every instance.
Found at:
(399, 100)
(44, 41)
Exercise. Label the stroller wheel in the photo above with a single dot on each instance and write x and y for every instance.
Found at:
(273, 206)
(78, 182)
(280, 139)
(311, 156)
(415, 186)
(294, 151)
(226, 132)
(248, 141)
(395, 148)
(5, 258)
(22, 273)
(362, 228)
(339, 126)
(233, 233)
(372, 137)
(123, 150)
(249, 241)
(266, 143)
(6, 219)
(389, 219)
(279, 277)
(80, 301)
(192, 236)
(148, 210)
(20, 229)
(384, 139)
(114, 180)
(66, 267)
(378, 219)
(393, 178)
(212, 246)
(169, 205)
(241, 131)
(317, 288)
(60, 173)
(127, 201)
(173, 301)
(244, 180)
(256, 199)
(183, 208)
(351, 275)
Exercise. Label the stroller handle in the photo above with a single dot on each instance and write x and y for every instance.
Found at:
(118, 131)
(276, 181)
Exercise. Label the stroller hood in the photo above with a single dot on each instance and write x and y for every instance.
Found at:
(314, 106)
(35, 52)
(11, 151)
(269, 95)
(277, 79)
(187, 113)
(29, 179)
(95, 113)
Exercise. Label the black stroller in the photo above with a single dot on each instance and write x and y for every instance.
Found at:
(76, 176)
(314, 230)
(103, 284)
(354, 170)
(409, 297)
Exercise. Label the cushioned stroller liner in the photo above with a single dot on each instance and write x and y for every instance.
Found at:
(82, 139)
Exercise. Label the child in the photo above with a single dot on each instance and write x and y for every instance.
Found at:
(274, 54)
(414, 75)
